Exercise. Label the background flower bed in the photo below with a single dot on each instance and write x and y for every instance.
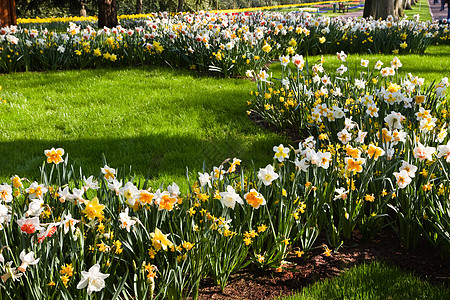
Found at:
(228, 44)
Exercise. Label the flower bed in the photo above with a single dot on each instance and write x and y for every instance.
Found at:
(227, 43)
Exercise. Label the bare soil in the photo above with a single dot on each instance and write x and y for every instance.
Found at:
(252, 283)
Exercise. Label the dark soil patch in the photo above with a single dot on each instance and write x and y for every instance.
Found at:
(292, 133)
(297, 273)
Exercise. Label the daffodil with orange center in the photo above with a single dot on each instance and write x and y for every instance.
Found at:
(375, 152)
(17, 182)
(354, 165)
(386, 135)
(353, 152)
(54, 155)
(166, 202)
(255, 199)
(145, 197)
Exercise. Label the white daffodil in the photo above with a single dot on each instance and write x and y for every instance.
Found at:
(109, 173)
(6, 193)
(410, 169)
(217, 173)
(444, 151)
(229, 198)
(10, 272)
(90, 183)
(125, 221)
(394, 120)
(173, 190)
(35, 191)
(204, 179)
(35, 208)
(267, 175)
(77, 194)
(421, 152)
(341, 194)
(63, 194)
(115, 185)
(69, 223)
(29, 225)
(27, 259)
(344, 136)
(93, 279)
(130, 192)
(5, 216)
(402, 178)
(302, 164)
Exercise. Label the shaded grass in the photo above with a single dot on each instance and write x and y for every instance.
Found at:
(434, 64)
(373, 281)
(157, 120)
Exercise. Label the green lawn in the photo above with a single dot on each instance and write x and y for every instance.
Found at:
(373, 281)
(157, 120)
(422, 8)
(433, 65)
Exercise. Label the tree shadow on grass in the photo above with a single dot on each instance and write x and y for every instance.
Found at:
(127, 108)
(157, 155)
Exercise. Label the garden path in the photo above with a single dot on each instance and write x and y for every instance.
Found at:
(436, 13)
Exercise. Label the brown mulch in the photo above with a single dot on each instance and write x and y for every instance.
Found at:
(252, 283)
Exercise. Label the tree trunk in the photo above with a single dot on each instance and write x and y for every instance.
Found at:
(138, 6)
(380, 9)
(407, 5)
(107, 13)
(398, 8)
(7, 13)
(180, 5)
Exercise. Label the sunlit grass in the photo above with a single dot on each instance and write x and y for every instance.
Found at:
(372, 281)
(433, 65)
(157, 120)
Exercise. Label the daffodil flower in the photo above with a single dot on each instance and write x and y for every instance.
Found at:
(93, 279)
(27, 259)
(230, 197)
(267, 175)
(125, 221)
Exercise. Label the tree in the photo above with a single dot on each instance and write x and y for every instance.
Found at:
(107, 13)
(180, 5)
(407, 4)
(139, 6)
(7, 13)
(383, 8)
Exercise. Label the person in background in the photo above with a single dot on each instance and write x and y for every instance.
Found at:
(448, 10)
(442, 4)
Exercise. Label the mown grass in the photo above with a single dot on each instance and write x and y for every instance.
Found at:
(421, 8)
(373, 281)
(157, 120)
(433, 65)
